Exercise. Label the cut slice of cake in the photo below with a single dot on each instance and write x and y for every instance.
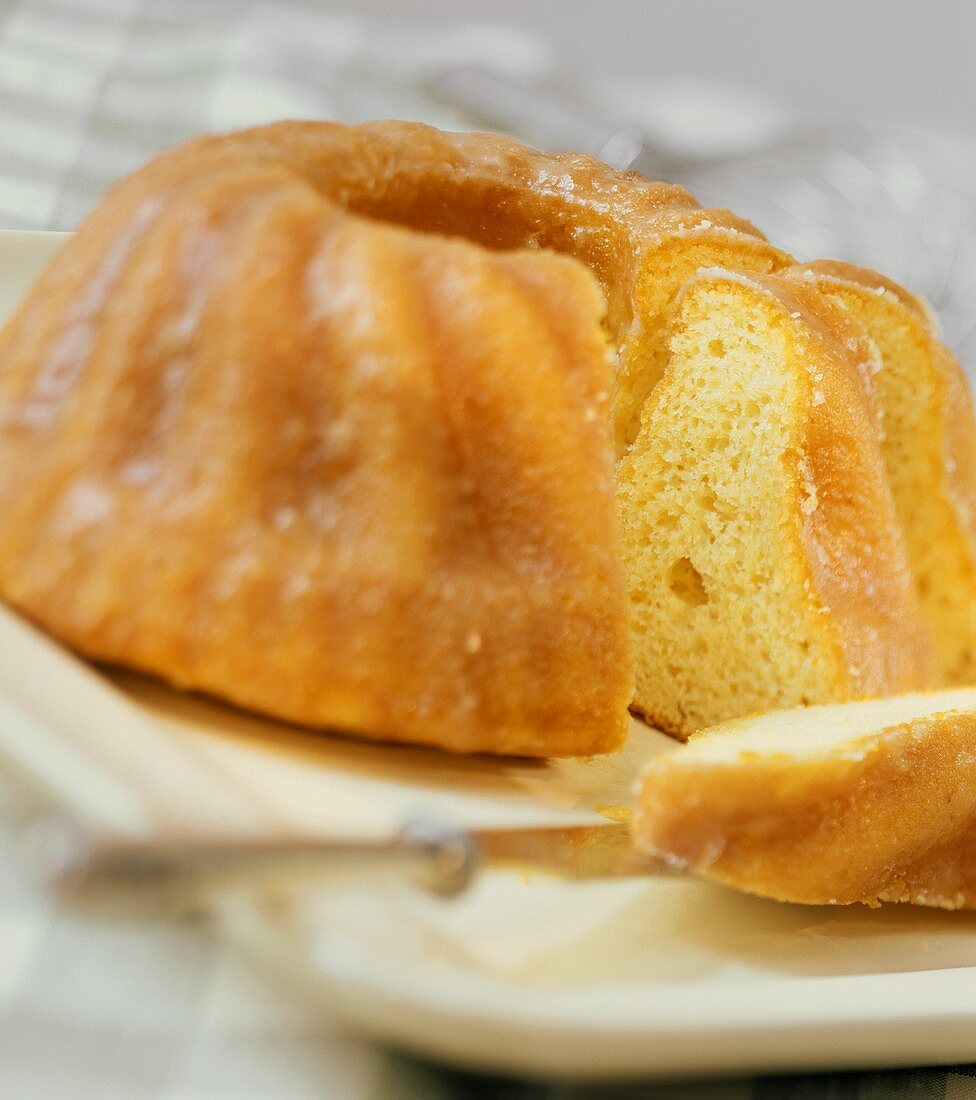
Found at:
(682, 242)
(859, 802)
(765, 563)
(929, 448)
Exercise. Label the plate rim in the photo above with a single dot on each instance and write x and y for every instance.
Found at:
(931, 1019)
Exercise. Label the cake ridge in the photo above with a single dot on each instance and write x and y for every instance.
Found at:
(929, 448)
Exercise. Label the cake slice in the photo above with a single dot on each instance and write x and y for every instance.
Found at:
(929, 448)
(765, 564)
(670, 251)
(859, 802)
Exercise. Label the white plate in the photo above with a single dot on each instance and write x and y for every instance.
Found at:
(529, 975)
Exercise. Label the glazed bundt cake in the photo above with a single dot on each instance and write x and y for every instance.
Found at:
(315, 418)
(261, 443)
(929, 446)
(332, 470)
(765, 564)
(859, 802)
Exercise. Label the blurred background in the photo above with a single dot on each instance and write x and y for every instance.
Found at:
(875, 60)
(843, 129)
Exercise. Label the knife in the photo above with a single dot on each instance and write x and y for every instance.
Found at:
(87, 870)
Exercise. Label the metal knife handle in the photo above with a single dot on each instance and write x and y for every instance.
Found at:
(58, 854)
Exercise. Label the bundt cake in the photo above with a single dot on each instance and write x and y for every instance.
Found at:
(868, 801)
(260, 442)
(929, 447)
(765, 565)
(315, 418)
(329, 469)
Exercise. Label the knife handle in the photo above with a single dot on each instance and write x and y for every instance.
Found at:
(57, 854)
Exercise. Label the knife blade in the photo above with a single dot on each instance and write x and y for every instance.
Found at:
(59, 855)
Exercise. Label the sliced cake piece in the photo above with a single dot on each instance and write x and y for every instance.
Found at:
(859, 802)
(765, 563)
(929, 448)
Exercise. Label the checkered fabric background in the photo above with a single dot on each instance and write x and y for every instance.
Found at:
(153, 1011)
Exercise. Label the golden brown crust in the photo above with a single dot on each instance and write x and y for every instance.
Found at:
(930, 448)
(482, 187)
(890, 816)
(640, 239)
(336, 471)
(867, 279)
(851, 539)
